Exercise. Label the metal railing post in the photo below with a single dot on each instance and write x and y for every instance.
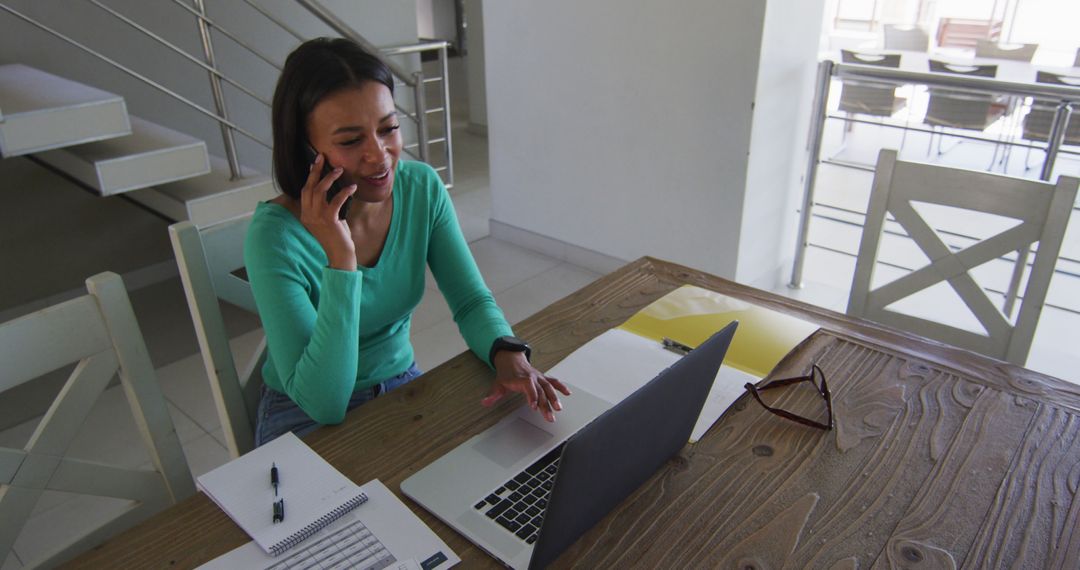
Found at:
(421, 115)
(443, 57)
(219, 96)
(817, 129)
(1056, 138)
(1053, 144)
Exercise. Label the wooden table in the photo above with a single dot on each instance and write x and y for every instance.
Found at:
(940, 458)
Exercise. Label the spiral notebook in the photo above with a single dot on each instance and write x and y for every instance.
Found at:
(314, 493)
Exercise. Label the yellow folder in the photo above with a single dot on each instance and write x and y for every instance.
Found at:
(690, 315)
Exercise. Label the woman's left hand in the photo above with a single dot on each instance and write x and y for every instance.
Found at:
(514, 373)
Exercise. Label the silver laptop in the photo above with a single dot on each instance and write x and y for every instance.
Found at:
(524, 490)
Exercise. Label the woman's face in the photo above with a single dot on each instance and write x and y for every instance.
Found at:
(357, 129)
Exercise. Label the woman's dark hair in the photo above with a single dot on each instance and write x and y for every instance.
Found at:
(312, 71)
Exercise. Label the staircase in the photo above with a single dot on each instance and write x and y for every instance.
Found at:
(87, 135)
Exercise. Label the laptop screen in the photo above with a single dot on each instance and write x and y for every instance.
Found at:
(612, 456)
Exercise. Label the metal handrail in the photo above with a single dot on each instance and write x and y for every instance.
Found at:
(179, 51)
(414, 48)
(338, 25)
(228, 34)
(266, 14)
(135, 74)
(981, 84)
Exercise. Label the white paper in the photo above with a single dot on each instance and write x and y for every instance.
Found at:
(394, 529)
(727, 388)
(614, 365)
(618, 362)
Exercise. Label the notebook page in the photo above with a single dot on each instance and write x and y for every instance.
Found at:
(310, 487)
(383, 534)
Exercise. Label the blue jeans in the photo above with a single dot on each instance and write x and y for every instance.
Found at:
(279, 414)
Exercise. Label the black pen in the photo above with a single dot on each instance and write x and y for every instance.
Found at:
(279, 511)
(274, 477)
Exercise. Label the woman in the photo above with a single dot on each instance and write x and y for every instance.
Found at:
(336, 283)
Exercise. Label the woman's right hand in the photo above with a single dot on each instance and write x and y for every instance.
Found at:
(321, 218)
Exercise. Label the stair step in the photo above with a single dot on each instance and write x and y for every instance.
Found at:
(151, 155)
(40, 111)
(208, 199)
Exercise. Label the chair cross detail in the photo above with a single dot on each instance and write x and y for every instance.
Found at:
(1042, 212)
(99, 333)
(953, 267)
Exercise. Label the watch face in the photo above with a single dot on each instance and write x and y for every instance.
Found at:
(510, 343)
(513, 343)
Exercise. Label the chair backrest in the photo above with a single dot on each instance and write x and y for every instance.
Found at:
(982, 70)
(958, 108)
(1056, 79)
(868, 97)
(883, 60)
(98, 332)
(1038, 121)
(1017, 52)
(909, 38)
(1043, 211)
(1076, 62)
(209, 259)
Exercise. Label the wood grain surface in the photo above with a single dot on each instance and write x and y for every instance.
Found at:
(940, 458)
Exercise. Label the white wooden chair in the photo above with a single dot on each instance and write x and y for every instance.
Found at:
(869, 97)
(959, 109)
(209, 259)
(1043, 210)
(1038, 121)
(1017, 52)
(100, 333)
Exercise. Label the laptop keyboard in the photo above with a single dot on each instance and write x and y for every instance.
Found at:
(519, 504)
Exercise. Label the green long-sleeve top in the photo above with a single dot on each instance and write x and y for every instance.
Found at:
(331, 332)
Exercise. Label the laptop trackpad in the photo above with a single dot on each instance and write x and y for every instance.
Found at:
(511, 443)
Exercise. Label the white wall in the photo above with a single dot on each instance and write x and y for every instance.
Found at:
(778, 152)
(475, 65)
(623, 127)
(436, 19)
(425, 18)
(382, 22)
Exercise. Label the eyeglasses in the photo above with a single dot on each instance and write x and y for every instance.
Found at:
(820, 386)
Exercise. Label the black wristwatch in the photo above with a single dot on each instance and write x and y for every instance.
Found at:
(511, 343)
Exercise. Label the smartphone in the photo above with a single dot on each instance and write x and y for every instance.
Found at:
(335, 187)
